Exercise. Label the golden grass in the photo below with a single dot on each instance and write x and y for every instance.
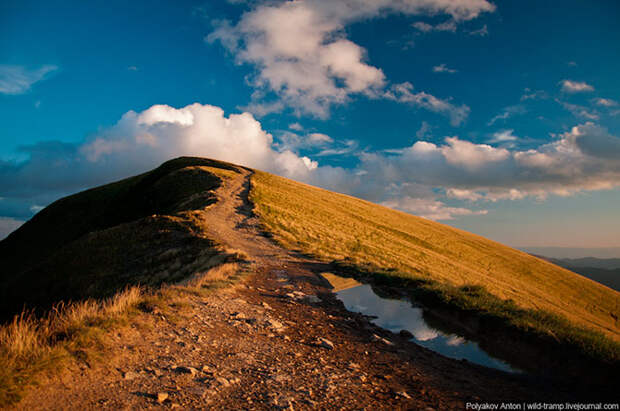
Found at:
(333, 226)
(30, 345)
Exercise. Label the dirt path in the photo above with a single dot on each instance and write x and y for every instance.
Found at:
(280, 340)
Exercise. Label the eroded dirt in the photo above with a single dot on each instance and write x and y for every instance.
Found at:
(278, 340)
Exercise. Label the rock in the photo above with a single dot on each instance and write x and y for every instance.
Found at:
(405, 334)
(266, 306)
(375, 337)
(281, 403)
(275, 324)
(222, 381)
(403, 394)
(325, 343)
(312, 299)
(186, 370)
(161, 397)
(238, 316)
(130, 375)
(353, 366)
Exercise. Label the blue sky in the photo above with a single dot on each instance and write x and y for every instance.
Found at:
(501, 118)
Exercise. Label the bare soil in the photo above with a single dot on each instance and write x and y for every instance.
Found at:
(277, 340)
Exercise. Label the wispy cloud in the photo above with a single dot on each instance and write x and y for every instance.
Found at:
(482, 32)
(579, 111)
(529, 94)
(442, 68)
(507, 113)
(19, 79)
(403, 93)
(448, 25)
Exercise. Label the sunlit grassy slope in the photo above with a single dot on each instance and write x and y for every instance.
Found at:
(335, 226)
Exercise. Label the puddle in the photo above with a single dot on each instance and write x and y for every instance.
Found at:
(396, 315)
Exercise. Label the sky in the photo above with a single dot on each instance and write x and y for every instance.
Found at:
(500, 118)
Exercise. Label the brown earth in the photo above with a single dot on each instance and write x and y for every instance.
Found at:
(257, 345)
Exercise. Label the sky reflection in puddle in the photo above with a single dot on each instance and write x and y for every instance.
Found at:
(396, 315)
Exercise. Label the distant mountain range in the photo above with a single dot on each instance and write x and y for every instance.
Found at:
(603, 270)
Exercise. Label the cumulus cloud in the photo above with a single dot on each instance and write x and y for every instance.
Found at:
(570, 86)
(19, 79)
(140, 141)
(426, 178)
(442, 68)
(585, 158)
(301, 53)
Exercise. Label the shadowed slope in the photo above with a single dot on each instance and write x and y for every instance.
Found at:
(91, 244)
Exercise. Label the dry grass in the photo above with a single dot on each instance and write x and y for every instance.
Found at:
(332, 226)
(31, 345)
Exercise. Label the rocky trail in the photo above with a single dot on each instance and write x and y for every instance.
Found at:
(277, 340)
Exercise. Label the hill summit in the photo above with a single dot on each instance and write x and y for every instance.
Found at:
(192, 223)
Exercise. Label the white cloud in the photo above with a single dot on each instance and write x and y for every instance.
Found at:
(301, 52)
(19, 79)
(442, 68)
(140, 141)
(570, 86)
(430, 209)
(418, 178)
(403, 93)
(585, 158)
(319, 138)
(503, 136)
(296, 126)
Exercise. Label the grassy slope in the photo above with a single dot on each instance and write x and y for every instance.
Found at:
(334, 226)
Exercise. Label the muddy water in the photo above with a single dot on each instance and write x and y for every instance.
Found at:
(396, 315)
